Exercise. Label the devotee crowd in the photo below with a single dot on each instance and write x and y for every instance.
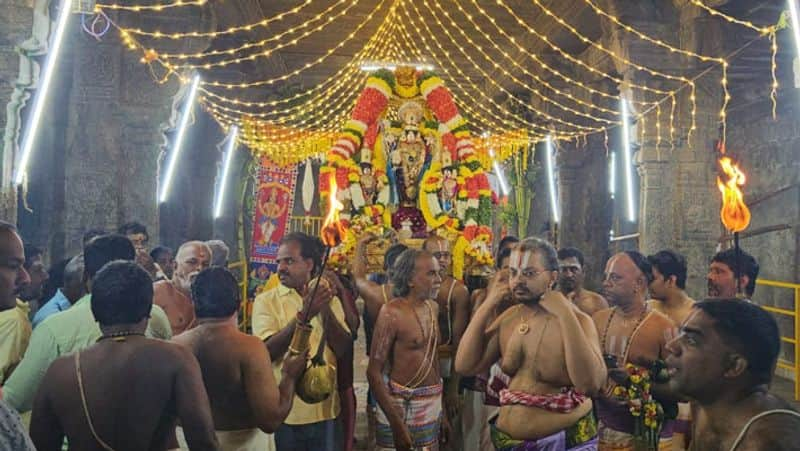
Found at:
(122, 347)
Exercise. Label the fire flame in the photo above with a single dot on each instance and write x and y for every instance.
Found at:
(333, 231)
(734, 214)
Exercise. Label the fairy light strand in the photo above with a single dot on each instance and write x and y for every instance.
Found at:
(350, 36)
(157, 7)
(215, 34)
(524, 69)
(265, 52)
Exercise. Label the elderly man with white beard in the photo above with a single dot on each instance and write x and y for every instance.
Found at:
(174, 296)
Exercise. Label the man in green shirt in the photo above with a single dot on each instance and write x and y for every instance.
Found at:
(74, 329)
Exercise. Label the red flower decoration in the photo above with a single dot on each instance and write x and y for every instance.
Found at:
(441, 102)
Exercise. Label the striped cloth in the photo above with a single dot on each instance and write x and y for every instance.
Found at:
(498, 381)
(564, 402)
(422, 414)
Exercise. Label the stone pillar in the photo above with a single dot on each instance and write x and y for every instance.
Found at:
(586, 208)
(655, 196)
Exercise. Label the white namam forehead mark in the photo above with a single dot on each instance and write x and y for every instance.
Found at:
(520, 260)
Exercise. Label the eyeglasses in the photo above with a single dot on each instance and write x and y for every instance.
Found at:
(526, 274)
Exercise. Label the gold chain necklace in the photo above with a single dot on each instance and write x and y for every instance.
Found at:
(523, 327)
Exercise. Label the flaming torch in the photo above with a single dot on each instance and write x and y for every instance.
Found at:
(734, 213)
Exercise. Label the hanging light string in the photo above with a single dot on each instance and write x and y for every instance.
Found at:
(350, 36)
(337, 108)
(215, 34)
(317, 105)
(343, 77)
(574, 31)
(769, 30)
(488, 76)
(643, 88)
(762, 30)
(511, 76)
(263, 52)
(525, 70)
(493, 121)
(658, 42)
(575, 60)
(542, 63)
(156, 7)
(341, 93)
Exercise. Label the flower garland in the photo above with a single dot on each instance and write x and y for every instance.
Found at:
(649, 414)
(474, 196)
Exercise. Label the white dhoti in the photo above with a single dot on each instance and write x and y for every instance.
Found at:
(242, 440)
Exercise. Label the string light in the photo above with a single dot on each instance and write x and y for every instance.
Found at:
(494, 121)
(308, 65)
(726, 98)
(176, 149)
(626, 146)
(540, 61)
(229, 149)
(577, 61)
(745, 23)
(340, 78)
(157, 7)
(489, 76)
(525, 70)
(232, 51)
(49, 70)
(649, 39)
(672, 124)
(517, 80)
(773, 94)
(216, 34)
(317, 105)
(456, 87)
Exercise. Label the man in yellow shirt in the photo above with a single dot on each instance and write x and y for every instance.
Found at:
(275, 312)
(15, 328)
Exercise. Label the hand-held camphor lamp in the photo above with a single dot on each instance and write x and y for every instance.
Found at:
(176, 148)
(226, 168)
(41, 94)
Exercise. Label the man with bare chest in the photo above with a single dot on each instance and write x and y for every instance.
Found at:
(375, 295)
(112, 395)
(570, 282)
(454, 311)
(406, 337)
(723, 360)
(630, 332)
(547, 345)
(174, 296)
(246, 402)
(668, 286)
